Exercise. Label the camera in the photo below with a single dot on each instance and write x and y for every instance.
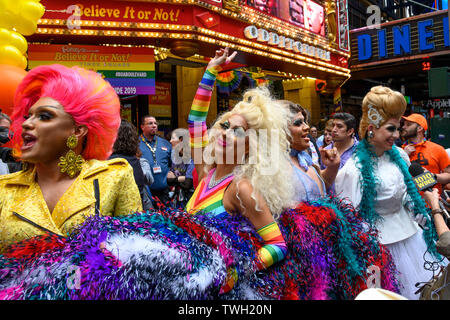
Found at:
(5, 135)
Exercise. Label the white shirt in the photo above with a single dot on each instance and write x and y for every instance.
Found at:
(397, 223)
(3, 168)
(314, 155)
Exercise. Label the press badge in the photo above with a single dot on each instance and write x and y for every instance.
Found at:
(157, 169)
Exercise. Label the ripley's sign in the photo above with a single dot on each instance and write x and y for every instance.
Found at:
(409, 37)
(273, 39)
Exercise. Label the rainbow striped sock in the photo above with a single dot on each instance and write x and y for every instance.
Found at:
(274, 248)
(199, 110)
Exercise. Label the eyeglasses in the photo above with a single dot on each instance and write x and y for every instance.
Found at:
(238, 132)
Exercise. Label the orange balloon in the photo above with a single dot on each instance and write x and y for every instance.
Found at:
(10, 77)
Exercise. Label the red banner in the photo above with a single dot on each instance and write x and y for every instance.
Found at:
(118, 11)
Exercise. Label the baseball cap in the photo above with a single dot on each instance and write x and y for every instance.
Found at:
(419, 119)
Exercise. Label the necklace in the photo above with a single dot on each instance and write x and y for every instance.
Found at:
(213, 183)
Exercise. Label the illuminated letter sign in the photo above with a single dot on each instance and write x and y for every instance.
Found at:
(424, 35)
(402, 40)
(271, 38)
(364, 47)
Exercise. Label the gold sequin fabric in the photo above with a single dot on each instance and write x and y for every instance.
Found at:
(21, 195)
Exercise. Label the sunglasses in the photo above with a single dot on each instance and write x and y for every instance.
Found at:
(238, 132)
(298, 122)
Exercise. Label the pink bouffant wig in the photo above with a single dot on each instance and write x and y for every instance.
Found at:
(89, 99)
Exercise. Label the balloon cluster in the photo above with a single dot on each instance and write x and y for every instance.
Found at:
(17, 18)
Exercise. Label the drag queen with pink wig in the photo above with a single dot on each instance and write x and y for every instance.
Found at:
(65, 122)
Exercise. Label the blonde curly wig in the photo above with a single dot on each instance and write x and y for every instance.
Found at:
(267, 166)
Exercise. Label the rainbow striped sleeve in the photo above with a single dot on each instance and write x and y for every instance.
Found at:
(199, 110)
(274, 248)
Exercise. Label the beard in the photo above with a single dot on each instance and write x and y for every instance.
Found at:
(410, 134)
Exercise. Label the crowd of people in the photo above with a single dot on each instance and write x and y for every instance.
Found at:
(73, 158)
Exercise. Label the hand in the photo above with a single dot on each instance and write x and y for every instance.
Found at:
(409, 149)
(447, 202)
(330, 157)
(432, 198)
(170, 175)
(421, 221)
(221, 57)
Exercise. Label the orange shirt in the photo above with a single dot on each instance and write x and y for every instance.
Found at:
(431, 156)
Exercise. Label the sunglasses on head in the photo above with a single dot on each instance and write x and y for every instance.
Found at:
(237, 131)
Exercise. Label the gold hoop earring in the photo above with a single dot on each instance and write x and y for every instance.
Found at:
(71, 163)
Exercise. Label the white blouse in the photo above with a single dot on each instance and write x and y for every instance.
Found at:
(397, 223)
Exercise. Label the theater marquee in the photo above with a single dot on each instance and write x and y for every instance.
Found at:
(298, 37)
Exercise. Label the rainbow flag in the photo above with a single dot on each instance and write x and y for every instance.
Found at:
(129, 70)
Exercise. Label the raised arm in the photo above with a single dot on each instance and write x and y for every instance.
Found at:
(200, 106)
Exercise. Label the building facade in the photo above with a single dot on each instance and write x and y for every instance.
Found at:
(154, 52)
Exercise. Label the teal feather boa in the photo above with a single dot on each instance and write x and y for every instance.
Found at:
(366, 162)
(347, 235)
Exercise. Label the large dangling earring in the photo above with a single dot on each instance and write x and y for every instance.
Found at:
(71, 163)
(371, 134)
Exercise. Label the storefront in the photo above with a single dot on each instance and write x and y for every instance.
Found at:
(410, 55)
(154, 52)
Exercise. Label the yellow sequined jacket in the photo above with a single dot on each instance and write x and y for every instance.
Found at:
(24, 212)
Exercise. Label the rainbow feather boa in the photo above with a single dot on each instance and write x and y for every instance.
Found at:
(167, 254)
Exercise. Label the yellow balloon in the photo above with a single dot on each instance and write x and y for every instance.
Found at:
(5, 36)
(7, 20)
(19, 41)
(32, 10)
(26, 27)
(14, 6)
(23, 62)
(11, 55)
(4, 5)
(13, 38)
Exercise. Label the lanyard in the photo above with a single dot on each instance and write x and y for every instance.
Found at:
(414, 144)
(152, 149)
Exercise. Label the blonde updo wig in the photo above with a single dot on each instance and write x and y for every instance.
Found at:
(389, 104)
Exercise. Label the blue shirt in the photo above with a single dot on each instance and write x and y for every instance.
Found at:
(163, 153)
(344, 157)
(346, 154)
(319, 141)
